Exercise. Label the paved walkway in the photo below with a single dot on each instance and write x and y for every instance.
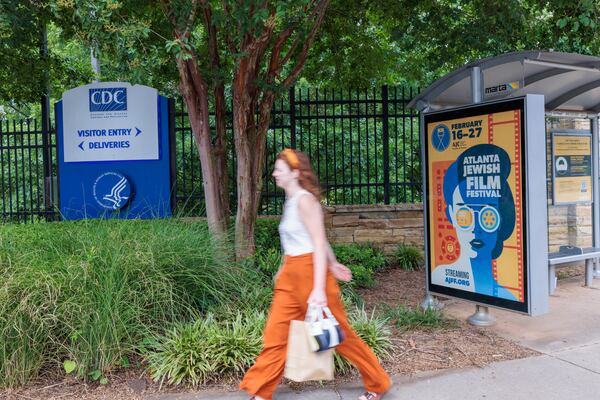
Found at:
(568, 339)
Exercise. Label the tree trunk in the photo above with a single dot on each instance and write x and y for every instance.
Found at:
(245, 217)
(247, 206)
(195, 95)
(250, 143)
(220, 153)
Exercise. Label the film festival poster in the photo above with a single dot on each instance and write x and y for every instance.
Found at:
(475, 206)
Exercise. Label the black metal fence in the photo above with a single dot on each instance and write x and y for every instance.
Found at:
(363, 144)
(27, 168)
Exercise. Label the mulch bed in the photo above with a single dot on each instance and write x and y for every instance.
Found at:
(458, 346)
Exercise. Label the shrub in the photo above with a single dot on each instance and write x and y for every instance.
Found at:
(362, 260)
(409, 258)
(255, 296)
(268, 261)
(350, 297)
(179, 354)
(236, 343)
(266, 234)
(89, 291)
(211, 348)
(407, 318)
(207, 349)
(370, 258)
(361, 276)
(373, 330)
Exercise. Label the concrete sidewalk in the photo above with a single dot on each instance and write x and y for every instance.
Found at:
(568, 339)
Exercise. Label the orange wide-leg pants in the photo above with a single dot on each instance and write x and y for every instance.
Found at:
(292, 288)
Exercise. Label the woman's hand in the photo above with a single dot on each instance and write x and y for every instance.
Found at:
(341, 272)
(318, 297)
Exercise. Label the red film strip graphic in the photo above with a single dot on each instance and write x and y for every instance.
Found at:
(491, 141)
(518, 201)
(516, 121)
(447, 248)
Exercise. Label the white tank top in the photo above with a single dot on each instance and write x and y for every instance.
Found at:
(295, 239)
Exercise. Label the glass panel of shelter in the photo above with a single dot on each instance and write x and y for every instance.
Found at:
(569, 223)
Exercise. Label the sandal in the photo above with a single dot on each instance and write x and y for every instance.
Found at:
(371, 396)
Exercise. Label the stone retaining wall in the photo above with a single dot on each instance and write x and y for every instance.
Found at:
(384, 226)
(387, 226)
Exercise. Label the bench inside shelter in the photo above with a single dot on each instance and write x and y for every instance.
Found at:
(569, 254)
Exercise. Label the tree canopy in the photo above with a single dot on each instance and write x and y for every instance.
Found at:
(362, 42)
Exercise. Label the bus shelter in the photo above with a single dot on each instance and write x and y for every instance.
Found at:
(496, 96)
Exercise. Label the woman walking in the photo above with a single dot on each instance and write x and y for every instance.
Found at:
(308, 275)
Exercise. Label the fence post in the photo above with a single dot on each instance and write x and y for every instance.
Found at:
(46, 142)
(292, 97)
(386, 144)
(46, 154)
(173, 153)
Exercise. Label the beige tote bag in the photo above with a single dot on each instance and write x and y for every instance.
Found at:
(302, 364)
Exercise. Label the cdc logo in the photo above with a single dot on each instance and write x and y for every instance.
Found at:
(108, 99)
(112, 190)
(440, 138)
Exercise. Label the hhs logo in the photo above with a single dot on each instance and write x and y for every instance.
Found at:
(112, 190)
(108, 99)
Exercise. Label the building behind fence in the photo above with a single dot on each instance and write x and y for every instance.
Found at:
(364, 145)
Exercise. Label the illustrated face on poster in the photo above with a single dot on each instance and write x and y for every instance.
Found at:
(474, 242)
(481, 208)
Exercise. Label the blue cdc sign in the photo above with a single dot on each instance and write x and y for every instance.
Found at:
(108, 99)
(114, 152)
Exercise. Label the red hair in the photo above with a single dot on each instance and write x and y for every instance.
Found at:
(308, 179)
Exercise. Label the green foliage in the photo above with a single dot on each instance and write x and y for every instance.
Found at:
(350, 297)
(213, 348)
(26, 74)
(180, 353)
(409, 258)
(355, 49)
(362, 260)
(204, 350)
(369, 257)
(574, 25)
(266, 234)
(267, 257)
(373, 330)
(360, 43)
(361, 276)
(390, 41)
(89, 291)
(254, 294)
(69, 366)
(268, 261)
(407, 318)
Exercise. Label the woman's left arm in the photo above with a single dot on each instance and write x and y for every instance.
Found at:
(312, 217)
